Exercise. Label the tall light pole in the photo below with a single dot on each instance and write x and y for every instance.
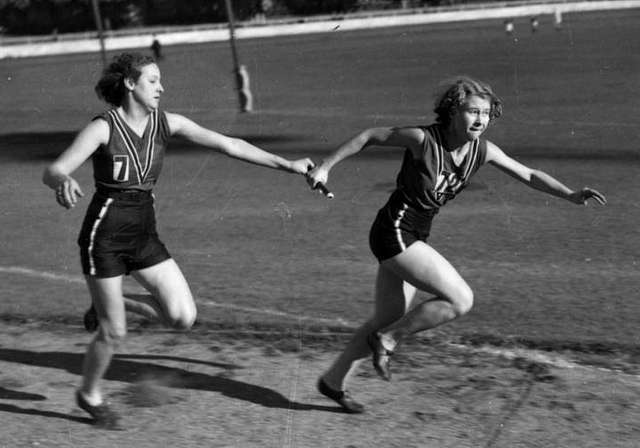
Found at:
(240, 71)
(98, 19)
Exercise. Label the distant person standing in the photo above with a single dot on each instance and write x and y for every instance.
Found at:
(535, 24)
(118, 236)
(557, 19)
(156, 48)
(508, 26)
(439, 161)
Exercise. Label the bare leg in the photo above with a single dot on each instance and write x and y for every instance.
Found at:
(426, 269)
(107, 297)
(169, 300)
(392, 297)
(421, 267)
(170, 294)
(145, 305)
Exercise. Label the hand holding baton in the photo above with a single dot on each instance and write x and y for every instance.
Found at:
(325, 191)
(318, 185)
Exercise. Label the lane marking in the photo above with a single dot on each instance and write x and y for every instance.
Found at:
(200, 301)
(553, 360)
(41, 274)
(529, 354)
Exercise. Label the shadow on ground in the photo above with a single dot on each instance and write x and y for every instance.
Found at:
(128, 371)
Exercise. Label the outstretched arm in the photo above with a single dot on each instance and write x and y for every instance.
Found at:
(234, 147)
(538, 179)
(58, 175)
(409, 137)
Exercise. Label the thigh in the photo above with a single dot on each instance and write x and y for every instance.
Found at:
(106, 294)
(393, 297)
(423, 267)
(167, 284)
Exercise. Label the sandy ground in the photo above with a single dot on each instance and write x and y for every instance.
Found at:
(234, 389)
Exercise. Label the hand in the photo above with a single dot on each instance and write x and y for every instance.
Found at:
(301, 166)
(317, 176)
(68, 192)
(581, 196)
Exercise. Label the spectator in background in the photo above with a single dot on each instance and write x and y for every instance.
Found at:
(156, 48)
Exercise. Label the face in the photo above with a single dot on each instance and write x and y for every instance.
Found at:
(472, 118)
(147, 89)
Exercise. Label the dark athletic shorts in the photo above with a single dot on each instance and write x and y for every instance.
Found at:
(119, 235)
(396, 227)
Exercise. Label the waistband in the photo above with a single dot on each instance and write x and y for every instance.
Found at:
(125, 194)
(397, 203)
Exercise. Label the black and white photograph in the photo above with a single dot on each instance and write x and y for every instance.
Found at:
(320, 223)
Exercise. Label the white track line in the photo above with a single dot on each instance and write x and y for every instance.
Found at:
(41, 274)
(201, 301)
(320, 320)
(553, 360)
(529, 354)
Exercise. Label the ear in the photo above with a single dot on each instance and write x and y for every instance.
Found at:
(129, 84)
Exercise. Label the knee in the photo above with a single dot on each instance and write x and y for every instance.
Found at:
(113, 335)
(463, 301)
(183, 321)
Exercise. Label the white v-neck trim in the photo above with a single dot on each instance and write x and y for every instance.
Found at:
(131, 128)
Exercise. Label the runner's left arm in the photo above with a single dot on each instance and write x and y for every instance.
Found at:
(539, 180)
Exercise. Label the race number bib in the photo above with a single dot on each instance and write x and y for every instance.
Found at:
(120, 168)
(448, 185)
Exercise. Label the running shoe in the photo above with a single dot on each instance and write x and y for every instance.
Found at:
(342, 397)
(91, 320)
(103, 416)
(381, 356)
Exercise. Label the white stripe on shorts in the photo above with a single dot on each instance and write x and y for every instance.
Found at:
(94, 229)
(396, 225)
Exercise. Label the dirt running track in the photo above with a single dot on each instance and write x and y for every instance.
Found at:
(217, 389)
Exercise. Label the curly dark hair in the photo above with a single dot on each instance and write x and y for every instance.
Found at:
(455, 92)
(110, 87)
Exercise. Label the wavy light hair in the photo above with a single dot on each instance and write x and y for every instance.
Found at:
(454, 93)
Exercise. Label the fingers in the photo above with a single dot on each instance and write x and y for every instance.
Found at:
(311, 175)
(316, 180)
(311, 182)
(76, 194)
(310, 165)
(68, 193)
(589, 193)
(61, 198)
(302, 166)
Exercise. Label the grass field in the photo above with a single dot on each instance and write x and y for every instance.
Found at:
(264, 253)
